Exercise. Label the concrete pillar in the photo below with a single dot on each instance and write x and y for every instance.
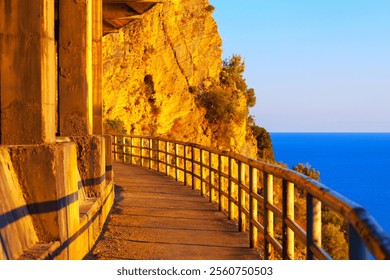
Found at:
(97, 35)
(91, 163)
(27, 72)
(49, 184)
(75, 67)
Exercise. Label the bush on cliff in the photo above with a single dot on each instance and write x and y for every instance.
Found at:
(232, 78)
(264, 143)
(114, 126)
(228, 100)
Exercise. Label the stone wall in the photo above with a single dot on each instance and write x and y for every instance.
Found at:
(45, 211)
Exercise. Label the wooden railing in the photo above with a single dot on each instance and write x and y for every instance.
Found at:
(260, 197)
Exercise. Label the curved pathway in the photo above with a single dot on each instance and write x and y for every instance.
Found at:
(156, 217)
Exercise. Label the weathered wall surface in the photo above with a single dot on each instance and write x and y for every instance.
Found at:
(91, 164)
(150, 67)
(27, 54)
(42, 211)
(17, 231)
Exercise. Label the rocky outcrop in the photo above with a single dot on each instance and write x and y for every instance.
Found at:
(152, 64)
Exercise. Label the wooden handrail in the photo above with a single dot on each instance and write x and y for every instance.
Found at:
(233, 184)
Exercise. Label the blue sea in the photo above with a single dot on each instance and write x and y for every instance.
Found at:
(356, 165)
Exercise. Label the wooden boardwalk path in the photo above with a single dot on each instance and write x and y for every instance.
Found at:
(155, 217)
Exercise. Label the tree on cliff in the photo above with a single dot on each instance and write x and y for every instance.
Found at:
(232, 78)
(264, 143)
(228, 100)
(307, 170)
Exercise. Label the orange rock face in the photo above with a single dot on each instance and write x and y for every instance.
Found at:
(150, 67)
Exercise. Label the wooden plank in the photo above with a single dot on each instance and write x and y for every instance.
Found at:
(147, 224)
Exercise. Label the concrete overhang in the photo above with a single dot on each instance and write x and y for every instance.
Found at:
(119, 13)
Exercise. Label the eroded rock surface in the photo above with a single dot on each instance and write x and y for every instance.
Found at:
(152, 64)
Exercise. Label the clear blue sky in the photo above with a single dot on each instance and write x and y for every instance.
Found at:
(315, 65)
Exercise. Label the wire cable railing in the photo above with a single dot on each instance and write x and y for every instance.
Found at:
(262, 198)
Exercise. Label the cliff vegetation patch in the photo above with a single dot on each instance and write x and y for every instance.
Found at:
(227, 102)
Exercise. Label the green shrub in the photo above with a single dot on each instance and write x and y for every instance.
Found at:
(222, 100)
(307, 170)
(218, 104)
(334, 241)
(232, 76)
(115, 126)
(263, 139)
(210, 8)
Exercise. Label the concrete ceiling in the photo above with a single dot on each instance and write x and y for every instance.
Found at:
(118, 13)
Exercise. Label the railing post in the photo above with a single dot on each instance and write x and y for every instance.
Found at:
(185, 164)
(150, 153)
(225, 185)
(123, 149)
(158, 155)
(168, 159)
(211, 178)
(239, 217)
(253, 207)
(269, 216)
(131, 150)
(313, 224)
(230, 203)
(202, 185)
(234, 189)
(219, 182)
(115, 143)
(175, 146)
(145, 152)
(122, 155)
(201, 171)
(288, 214)
(141, 152)
(242, 197)
(192, 168)
(357, 249)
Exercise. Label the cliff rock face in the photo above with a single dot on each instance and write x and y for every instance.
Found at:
(152, 64)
